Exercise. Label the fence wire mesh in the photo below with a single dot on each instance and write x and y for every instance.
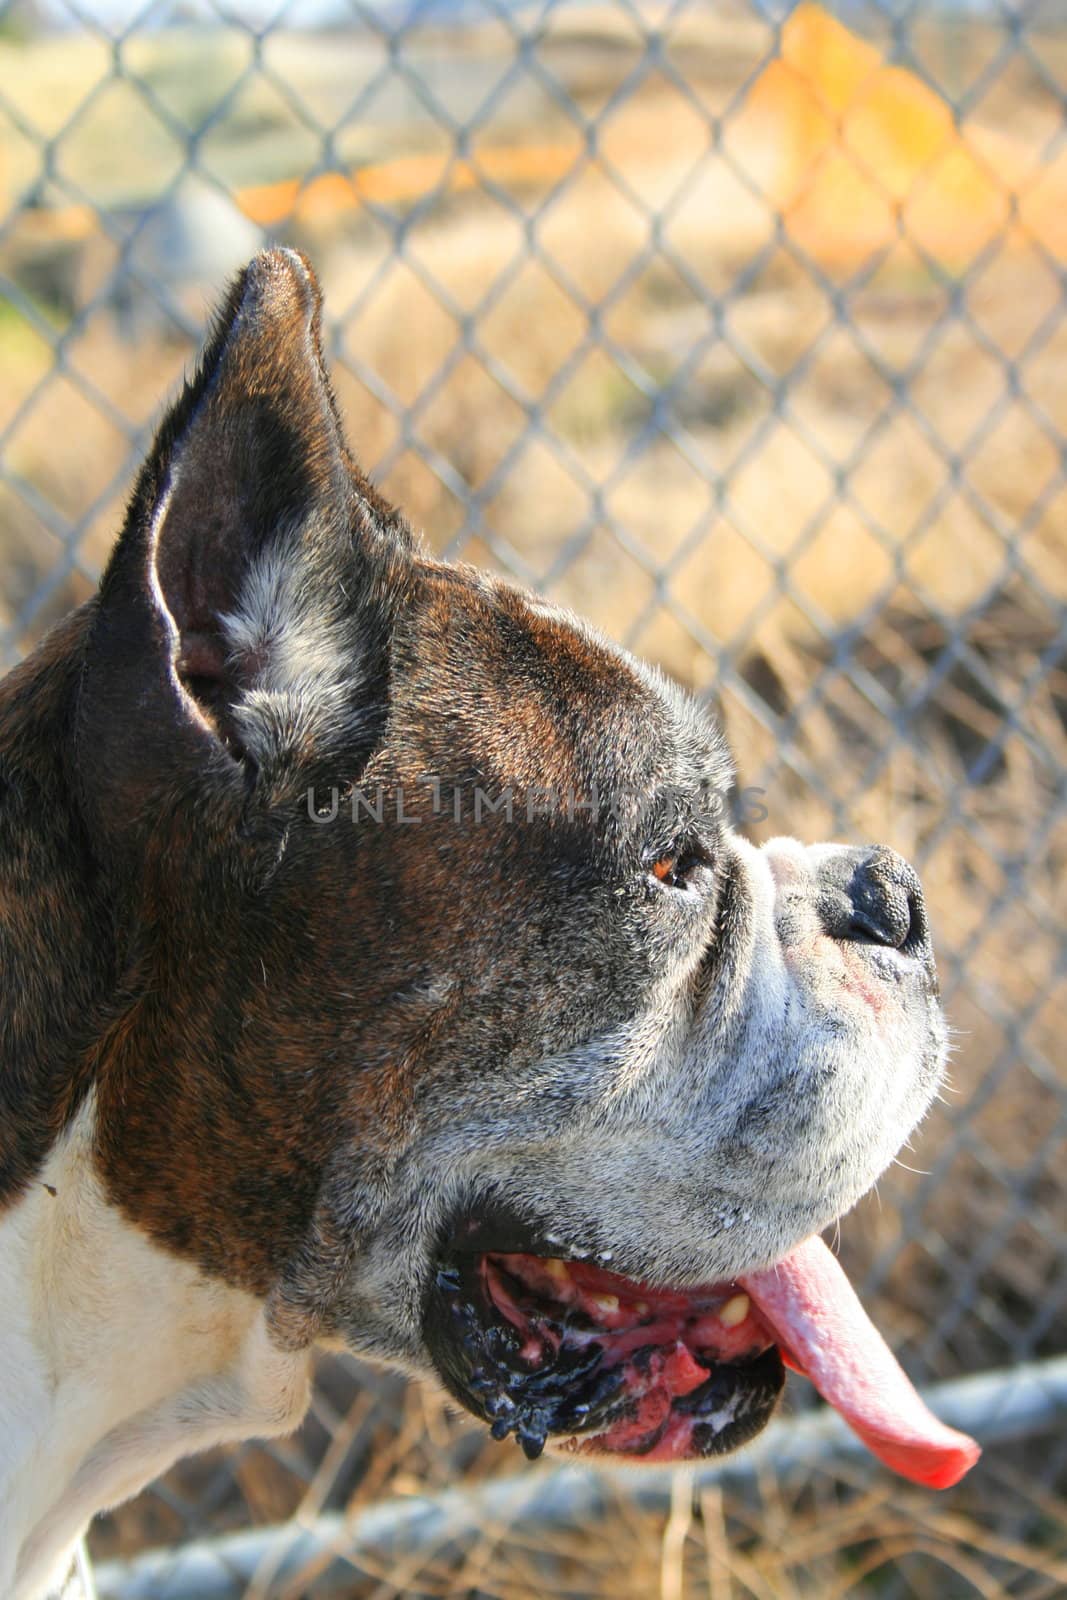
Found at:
(743, 331)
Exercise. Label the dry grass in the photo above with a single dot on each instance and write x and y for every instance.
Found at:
(798, 1535)
(810, 562)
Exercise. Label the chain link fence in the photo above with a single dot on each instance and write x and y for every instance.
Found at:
(743, 331)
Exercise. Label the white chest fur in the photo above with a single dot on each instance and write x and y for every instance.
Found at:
(115, 1360)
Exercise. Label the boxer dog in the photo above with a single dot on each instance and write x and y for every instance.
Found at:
(380, 970)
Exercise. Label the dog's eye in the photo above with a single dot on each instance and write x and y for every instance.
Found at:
(676, 870)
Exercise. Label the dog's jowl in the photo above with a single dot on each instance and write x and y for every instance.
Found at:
(379, 967)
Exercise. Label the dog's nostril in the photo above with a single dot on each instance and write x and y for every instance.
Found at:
(886, 918)
(887, 903)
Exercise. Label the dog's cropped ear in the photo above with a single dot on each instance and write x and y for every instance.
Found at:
(240, 626)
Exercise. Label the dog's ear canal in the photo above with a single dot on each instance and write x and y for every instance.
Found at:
(240, 613)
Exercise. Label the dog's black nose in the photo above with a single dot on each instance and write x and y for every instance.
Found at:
(887, 900)
(873, 894)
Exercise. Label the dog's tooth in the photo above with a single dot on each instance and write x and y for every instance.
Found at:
(557, 1270)
(606, 1255)
(735, 1310)
(641, 1307)
(605, 1302)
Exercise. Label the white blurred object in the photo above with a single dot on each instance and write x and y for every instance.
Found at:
(184, 251)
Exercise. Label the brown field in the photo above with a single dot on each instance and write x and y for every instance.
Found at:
(851, 530)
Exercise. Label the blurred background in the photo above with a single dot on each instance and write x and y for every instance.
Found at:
(742, 330)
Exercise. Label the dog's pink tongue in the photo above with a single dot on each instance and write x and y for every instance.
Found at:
(811, 1306)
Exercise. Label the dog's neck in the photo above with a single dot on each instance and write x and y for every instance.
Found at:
(55, 955)
(117, 1359)
(117, 1356)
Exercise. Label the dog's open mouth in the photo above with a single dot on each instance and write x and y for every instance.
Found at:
(550, 1348)
(543, 1347)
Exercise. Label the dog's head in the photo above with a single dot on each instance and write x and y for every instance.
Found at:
(461, 1024)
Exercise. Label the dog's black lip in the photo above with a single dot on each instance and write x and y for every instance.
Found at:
(579, 1398)
(491, 1228)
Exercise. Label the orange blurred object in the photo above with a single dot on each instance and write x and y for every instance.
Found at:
(866, 154)
(401, 180)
